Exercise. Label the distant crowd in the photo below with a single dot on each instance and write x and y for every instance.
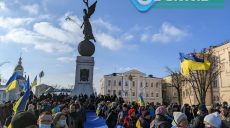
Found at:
(65, 111)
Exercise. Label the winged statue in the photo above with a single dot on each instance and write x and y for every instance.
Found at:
(87, 30)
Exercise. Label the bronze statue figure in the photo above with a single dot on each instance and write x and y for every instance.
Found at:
(87, 30)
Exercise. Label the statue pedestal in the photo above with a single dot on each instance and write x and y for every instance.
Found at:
(84, 76)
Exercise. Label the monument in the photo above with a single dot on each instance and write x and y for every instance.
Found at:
(85, 62)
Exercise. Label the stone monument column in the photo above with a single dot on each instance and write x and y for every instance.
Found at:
(85, 62)
(84, 69)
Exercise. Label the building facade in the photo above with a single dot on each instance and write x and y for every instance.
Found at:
(131, 84)
(14, 94)
(219, 90)
(222, 52)
(169, 93)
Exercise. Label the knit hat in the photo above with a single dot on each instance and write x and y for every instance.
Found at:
(23, 119)
(161, 110)
(131, 111)
(178, 117)
(213, 119)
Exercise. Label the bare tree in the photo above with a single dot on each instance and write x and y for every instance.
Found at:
(201, 80)
(176, 82)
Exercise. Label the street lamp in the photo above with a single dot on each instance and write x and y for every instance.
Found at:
(130, 81)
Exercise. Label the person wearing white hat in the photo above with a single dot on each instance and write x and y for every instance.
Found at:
(180, 120)
(212, 120)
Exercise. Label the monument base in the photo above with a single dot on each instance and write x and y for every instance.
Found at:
(84, 76)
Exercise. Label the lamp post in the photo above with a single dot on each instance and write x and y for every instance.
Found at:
(130, 81)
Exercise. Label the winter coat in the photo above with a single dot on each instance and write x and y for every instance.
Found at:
(198, 122)
(111, 120)
(160, 121)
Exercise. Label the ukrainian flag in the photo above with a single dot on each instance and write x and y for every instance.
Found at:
(21, 103)
(141, 101)
(34, 82)
(192, 63)
(12, 82)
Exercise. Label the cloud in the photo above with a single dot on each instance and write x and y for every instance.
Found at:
(124, 69)
(102, 24)
(31, 9)
(40, 42)
(145, 37)
(169, 33)
(3, 7)
(66, 59)
(128, 36)
(9, 22)
(25, 49)
(108, 41)
(48, 30)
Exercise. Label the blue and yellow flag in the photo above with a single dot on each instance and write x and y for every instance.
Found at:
(35, 82)
(192, 63)
(21, 103)
(12, 82)
(141, 101)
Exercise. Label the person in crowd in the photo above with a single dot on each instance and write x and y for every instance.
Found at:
(122, 115)
(212, 120)
(24, 120)
(111, 119)
(197, 122)
(144, 120)
(225, 115)
(45, 120)
(74, 119)
(161, 120)
(31, 108)
(130, 121)
(60, 120)
(180, 120)
(64, 109)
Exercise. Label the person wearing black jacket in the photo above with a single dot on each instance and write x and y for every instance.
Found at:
(197, 122)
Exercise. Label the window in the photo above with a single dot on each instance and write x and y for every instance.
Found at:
(109, 82)
(141, 94)
(157, 95)
(215, 83)
(133, 83)
(156, 85)
(146, 84)
(217, 98)
(108, 91)
(119, 83)
(126, 83)
(152, 95)
(119, 93)
(114, 83)
(147, 95)
(214, 98)
(141, 84)
(133, 93)
(126, 93)
(114, 92)
(151, 84)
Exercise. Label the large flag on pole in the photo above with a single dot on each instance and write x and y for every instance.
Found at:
(192, 63)
(12, 82)
(141, 101)
(35, 82)
(21, 103)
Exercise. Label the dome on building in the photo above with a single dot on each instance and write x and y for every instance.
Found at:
(19, 67)
(86, 48)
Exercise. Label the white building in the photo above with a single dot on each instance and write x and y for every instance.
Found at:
(14, 94)
(131, 84)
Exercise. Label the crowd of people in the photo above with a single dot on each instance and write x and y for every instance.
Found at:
(64, 111)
